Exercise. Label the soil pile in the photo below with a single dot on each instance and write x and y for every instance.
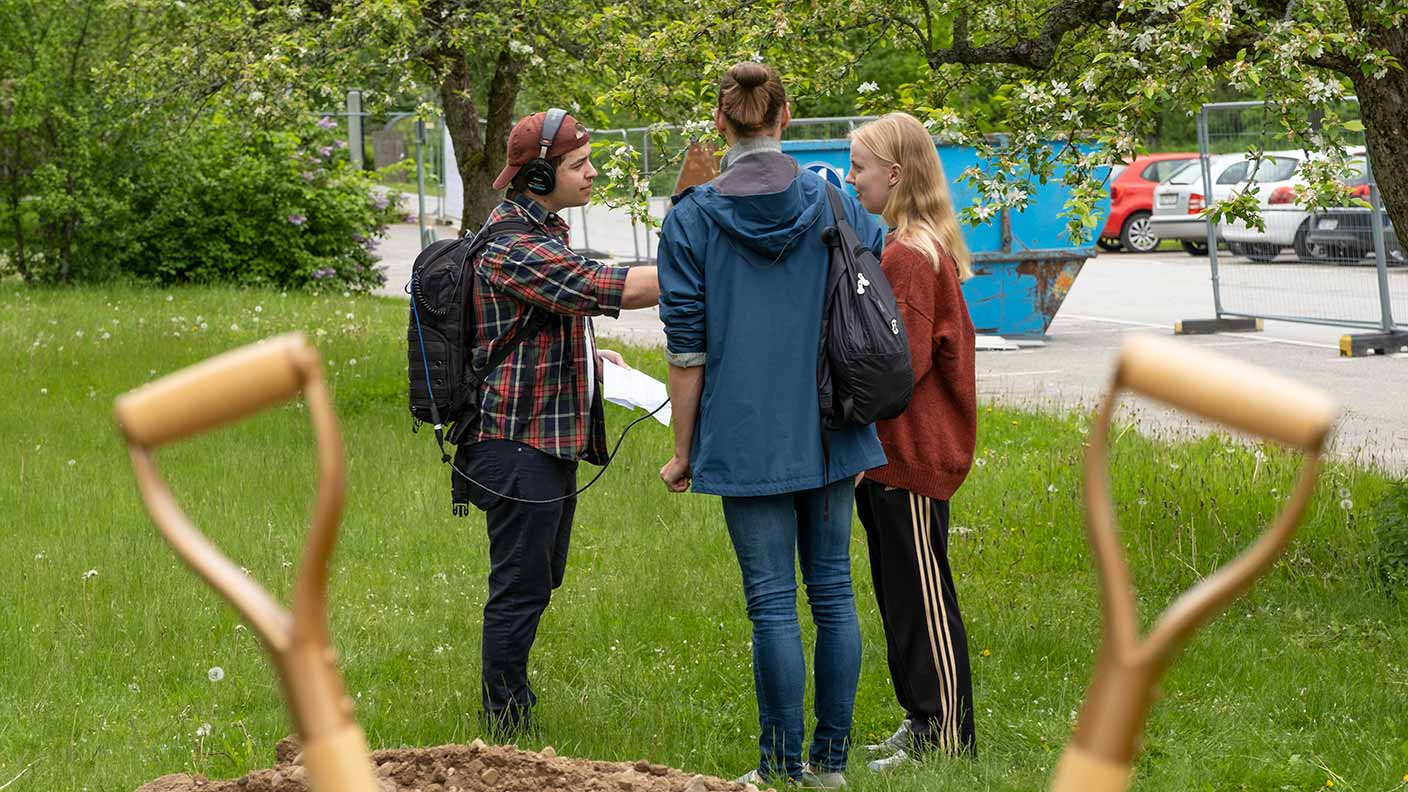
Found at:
(467, 768)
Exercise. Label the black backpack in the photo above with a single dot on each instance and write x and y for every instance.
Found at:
(864, 372)
(444, 385)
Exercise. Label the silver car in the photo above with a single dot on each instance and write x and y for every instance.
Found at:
(1179, 199)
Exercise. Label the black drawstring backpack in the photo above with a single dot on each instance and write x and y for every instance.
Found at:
(864, 373)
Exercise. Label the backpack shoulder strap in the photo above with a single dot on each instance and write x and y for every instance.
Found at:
(849, 239)
(535, 318)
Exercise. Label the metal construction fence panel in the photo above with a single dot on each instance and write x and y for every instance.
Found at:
(1341, 265)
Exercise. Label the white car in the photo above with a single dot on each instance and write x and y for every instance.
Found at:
(1287, 225)
(1179, 199)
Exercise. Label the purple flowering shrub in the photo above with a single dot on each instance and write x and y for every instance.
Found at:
(255, 207)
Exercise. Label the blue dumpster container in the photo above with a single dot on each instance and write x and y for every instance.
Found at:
(1023, 262)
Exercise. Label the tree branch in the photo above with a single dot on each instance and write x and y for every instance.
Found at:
(1036, 52)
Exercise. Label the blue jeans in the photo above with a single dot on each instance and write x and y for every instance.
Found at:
(769, 533)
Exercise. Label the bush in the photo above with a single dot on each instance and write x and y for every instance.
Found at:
(1389, 517)
(221, 202)
(257, 207)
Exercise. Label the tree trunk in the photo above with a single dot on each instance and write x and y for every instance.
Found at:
(480, 153)
(1383, 107)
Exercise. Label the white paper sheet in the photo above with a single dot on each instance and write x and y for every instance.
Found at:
(635, 389)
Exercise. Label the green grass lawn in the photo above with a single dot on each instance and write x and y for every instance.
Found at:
(106, 641)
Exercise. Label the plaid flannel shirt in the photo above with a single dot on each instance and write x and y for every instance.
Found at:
(539, 395)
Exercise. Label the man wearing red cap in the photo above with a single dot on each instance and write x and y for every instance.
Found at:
(541, 410)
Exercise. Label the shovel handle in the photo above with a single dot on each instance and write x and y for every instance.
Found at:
(214, 392)
(1235, 394)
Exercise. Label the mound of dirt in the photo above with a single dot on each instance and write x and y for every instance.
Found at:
(467, 768)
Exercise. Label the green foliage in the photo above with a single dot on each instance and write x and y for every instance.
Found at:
(136, 142)
(1389, 517)
(254, 207)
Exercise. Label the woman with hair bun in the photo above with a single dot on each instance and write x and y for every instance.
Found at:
(742, 270)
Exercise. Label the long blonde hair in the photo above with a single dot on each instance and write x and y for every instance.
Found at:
(919, 207)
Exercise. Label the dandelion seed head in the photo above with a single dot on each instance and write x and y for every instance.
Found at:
(215, 674)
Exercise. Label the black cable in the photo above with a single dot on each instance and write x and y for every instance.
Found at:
(609, 457)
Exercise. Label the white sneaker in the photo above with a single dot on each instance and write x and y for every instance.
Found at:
(892, 762)
(811, 779)
(899, 741)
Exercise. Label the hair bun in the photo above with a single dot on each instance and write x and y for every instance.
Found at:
(749, 74)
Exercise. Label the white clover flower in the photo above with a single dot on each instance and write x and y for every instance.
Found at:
(71, 463)
(169, 298)
(92, 573)
(867, 88)
(259, 309)
(78, 333)
(134, 687)
(234, 328)
(43, 391)
(204, 326)
(215, 674)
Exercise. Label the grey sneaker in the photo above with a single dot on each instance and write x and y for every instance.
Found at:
(899, 741)
(755, 779)
(811, 779)
(892, 762)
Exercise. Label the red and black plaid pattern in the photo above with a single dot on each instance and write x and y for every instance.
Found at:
(539, 395)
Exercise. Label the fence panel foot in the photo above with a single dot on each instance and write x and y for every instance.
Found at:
(1223, 324)
(1365, 344)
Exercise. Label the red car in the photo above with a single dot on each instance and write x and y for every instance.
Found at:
(1132, 200)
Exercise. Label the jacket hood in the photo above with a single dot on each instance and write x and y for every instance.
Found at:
(765, 202)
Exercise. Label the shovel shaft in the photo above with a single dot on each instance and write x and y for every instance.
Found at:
(337, 762)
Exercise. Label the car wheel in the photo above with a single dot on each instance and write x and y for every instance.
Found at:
(1306, 250)
(1237, 248)
(1137, 235)
(1262, 252)
(1108, 245)
(1195, 248)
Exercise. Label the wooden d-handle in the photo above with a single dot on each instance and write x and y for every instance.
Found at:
(217, 391)
(1230, 392)
(1128, 668)
(224, 389)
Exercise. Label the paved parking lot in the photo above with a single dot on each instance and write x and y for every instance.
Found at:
(1118, 294)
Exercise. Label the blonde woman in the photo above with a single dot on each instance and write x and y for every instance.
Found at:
(904, 505)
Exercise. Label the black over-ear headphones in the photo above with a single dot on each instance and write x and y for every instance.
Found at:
(539, 175)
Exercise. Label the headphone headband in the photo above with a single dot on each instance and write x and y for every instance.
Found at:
(552, 121)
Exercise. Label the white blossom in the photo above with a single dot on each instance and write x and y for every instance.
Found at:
(867, 88)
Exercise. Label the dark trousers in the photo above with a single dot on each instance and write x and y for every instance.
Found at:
(926, 644)
(527, 559)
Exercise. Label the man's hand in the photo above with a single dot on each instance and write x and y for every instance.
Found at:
(613, 356)
(676, 474)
